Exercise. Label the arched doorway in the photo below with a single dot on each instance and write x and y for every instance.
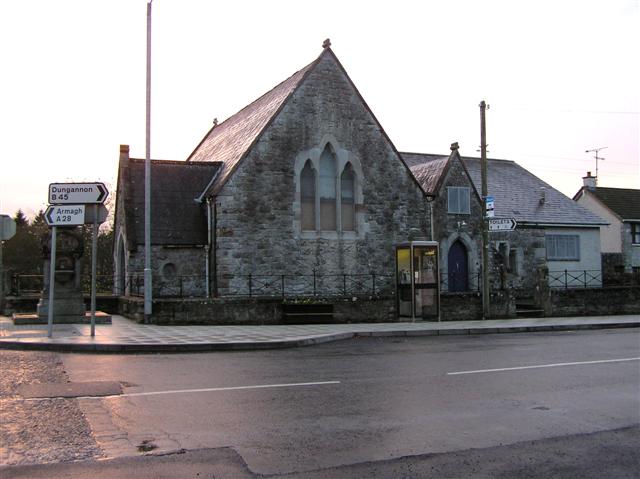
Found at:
(458, 267)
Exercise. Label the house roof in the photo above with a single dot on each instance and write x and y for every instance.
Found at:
(427, 169)
(176, 218)
(624, 202)
(517, 192)
(231, 140)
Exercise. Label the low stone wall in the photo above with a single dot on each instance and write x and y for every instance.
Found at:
(250, 311)
(460, 306)
(596, 301)
(468, 306)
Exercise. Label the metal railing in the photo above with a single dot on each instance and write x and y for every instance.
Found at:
(31, 284)
(571, 279)
(305, 285)
(457, 280)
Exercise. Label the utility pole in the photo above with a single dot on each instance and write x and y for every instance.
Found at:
(596, 150)
(147, 183)
(485, 232)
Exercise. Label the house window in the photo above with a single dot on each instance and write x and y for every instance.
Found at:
(327, 190)
(308, 197)
(347, 194)
(635, 233)
(563, 247)
(458, 200)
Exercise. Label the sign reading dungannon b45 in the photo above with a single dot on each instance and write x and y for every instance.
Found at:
(77, 193)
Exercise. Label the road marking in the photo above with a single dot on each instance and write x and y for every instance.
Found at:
(203, 390)
(543, 366)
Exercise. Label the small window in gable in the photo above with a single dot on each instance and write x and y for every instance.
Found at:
(308, 197)
(458, 199)
(327, 190)
(347, 194)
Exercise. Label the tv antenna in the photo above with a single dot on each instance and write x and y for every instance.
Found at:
(596, 151)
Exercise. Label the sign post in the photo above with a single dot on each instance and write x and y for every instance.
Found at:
(7, 231)
(68, 208)
(52, 280)
(94, 252)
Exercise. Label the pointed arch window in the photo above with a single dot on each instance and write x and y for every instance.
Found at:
(327, 190)
(308, 197)
(347, 198)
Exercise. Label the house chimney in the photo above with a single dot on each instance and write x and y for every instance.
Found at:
(124, 152)
(543, 195)
(589, 181)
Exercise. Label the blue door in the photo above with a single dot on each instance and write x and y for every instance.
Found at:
(458, 268)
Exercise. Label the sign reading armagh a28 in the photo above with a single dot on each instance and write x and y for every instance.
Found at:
(77, 193)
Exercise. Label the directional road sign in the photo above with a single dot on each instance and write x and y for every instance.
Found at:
(77, 193)
(502, 224)
(65, 215)
(7, 227)
(102, 211)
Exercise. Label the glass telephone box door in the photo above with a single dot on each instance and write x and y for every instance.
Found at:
(417, 280)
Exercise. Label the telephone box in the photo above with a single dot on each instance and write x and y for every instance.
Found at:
(417, 280)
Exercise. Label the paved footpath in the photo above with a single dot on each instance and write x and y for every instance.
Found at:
(126, 336)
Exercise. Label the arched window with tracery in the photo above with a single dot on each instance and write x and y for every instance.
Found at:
(308, 197)
(347, 198)
(327, 190)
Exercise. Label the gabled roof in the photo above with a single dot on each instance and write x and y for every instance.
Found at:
(176, 218)
(518, 192)
(232, 139)
(624, 202)
(427, 169)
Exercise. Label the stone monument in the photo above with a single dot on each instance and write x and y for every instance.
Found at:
(68, 303)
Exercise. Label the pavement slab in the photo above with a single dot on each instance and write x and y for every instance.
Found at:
(126, 336)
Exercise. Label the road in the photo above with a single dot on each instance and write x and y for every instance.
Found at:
(375, 407)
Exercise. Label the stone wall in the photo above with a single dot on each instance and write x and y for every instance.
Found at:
(448, 228)
(177, 272)
(256, 225)
(250, 311)
(595, 301)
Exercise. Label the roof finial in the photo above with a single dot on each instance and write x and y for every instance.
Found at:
(326, 44)
(454, 146)
(215, 122)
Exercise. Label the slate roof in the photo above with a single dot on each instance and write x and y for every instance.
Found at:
(176, 218)
(427, 169)
(229, 141)
(516, 191)
(624, 202)
(517, 194)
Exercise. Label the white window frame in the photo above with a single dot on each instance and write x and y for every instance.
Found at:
(553, 243)
(457, 193)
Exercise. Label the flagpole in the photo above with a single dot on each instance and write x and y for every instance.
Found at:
(147, 183)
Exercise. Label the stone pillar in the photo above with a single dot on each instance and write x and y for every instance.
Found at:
(68, 303)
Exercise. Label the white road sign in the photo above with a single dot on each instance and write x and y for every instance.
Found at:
(502, 224)
(7, 227)
(77, 193)
(65, 215)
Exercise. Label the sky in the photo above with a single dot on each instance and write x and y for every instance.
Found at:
(560, 77)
